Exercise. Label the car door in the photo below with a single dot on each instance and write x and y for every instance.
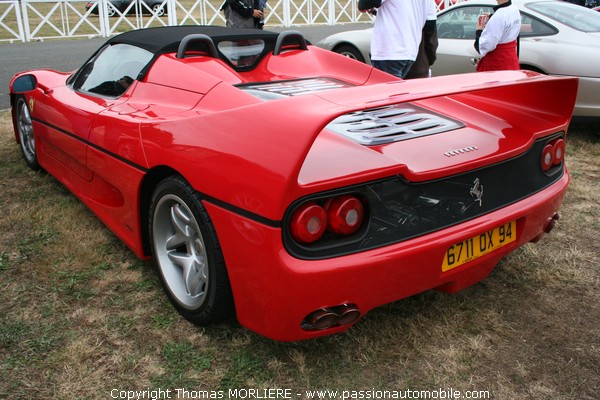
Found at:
(69, 126)
(69, 113)
(456, 53)
(93, 89)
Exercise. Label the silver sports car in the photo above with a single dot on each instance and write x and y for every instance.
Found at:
(557, 38)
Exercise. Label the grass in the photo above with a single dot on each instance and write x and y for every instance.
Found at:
(81, 316)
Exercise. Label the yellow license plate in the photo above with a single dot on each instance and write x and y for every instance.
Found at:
(477, 246)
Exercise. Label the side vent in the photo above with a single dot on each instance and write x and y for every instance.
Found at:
(391, 124)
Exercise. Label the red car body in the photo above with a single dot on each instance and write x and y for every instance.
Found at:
(260, 142)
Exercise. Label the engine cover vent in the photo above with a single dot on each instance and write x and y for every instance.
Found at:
(389, 124)
(276, 90)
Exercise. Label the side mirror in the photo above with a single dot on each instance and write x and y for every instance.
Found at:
(24, 84)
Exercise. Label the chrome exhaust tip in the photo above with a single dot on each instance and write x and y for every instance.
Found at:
(322, 318)
(551, 223)
(548, 226)
(329, 317)
(348, 314)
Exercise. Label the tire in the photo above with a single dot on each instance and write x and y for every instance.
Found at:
(24, 126)
(532, 68)
(187, 254)
(158, 9)
(347, 50)
(111, 11)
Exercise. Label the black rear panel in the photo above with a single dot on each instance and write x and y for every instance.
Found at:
(399, 210)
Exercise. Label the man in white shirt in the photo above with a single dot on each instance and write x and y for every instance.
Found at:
(397, 32)
(427, 55)
(497, 38)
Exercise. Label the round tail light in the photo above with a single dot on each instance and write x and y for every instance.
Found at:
(547, 157)
(345, 214)
(559, 151)
(308, 223)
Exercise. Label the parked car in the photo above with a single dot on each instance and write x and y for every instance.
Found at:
(557, 38)
(156, 7)
(295, 188)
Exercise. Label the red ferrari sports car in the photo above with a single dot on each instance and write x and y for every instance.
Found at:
(291, 186)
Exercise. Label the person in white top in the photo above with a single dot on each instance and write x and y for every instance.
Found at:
(497, 38)
(397, 32)
(427, 55)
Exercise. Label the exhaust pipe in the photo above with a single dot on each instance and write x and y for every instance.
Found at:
(322, 318)
(328, 317)
(348, 314)
(550, 224)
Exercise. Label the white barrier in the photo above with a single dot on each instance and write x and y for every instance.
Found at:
(11, 22)
(31, 20)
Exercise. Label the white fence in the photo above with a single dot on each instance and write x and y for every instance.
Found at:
(38, 20)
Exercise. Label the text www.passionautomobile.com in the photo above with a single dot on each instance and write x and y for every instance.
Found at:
(278, 393)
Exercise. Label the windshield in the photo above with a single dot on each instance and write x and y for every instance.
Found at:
(112, 71)
(576, 17)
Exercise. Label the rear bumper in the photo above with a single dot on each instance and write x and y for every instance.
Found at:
(274, 291)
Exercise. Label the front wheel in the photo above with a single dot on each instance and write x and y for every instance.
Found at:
(158, 9)
(350, 51)
(24, 125)
(187, 253)
(111, 11)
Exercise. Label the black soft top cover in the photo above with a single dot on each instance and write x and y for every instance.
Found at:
(166, 39)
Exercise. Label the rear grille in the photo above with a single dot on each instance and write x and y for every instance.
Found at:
(391, 124)
(297, 87)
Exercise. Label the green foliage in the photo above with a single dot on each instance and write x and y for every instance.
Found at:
(246, 367)
(183, 362)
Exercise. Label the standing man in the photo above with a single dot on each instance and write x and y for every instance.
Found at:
(497, 38)
(427, 55)
(243, 14)
(397, 33)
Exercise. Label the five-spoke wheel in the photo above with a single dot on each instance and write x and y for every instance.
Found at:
(187, 253)
(25, 131)
(158, 9)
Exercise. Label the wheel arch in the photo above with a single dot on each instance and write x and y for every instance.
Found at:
(153, 177)
(529, 67)
(345, 43)
(13, 103)
(221, 305)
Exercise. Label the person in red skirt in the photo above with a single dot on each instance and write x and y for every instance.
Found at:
(497, 38)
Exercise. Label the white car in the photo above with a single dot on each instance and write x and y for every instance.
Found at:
(557, 38)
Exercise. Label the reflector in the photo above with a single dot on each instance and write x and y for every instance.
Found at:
(345, 214)
(559, 151)
(547, 157)
(308, 223)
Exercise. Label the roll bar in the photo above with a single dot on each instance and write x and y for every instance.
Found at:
(211, 49)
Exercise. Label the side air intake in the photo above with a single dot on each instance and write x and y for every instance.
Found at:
(391, 124)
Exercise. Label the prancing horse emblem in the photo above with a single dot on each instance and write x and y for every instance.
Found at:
(477, 191)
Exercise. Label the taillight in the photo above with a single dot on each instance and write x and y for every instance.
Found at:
(559, 151)
(339, 215)
(553, 154)
(547, 157)
(308, 223)
(345, 214)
